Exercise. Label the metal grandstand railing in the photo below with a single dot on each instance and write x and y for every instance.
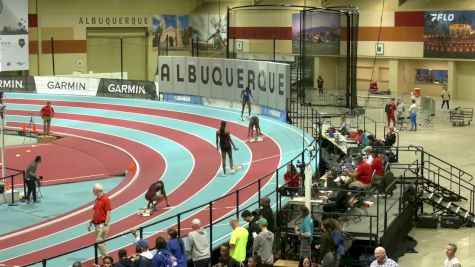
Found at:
(11, 178)
(256, 186)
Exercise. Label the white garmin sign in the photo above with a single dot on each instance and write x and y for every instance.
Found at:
(66, 85)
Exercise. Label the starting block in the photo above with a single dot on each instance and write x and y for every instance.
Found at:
(257, 139)
(145, 212)
(238, 167)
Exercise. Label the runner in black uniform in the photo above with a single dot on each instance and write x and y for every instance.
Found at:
(223, 138)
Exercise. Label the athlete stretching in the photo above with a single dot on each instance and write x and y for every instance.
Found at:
(223, 138)
(253, 123)
(246, 96)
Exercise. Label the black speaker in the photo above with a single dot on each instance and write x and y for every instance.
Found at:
(450, 221)
(430, 221)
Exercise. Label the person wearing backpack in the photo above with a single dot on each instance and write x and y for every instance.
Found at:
(162, 258)
(334, 228)
(176, 247)
(390, 108)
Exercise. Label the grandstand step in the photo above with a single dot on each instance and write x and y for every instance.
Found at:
(448, 205)
(457, 210)
(447, 193)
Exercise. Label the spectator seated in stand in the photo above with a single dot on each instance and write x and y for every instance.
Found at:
(362, 175)
(337, 202)
(390, 138)
(377, 163)
(344, 126)
(373, 142)
(355, 136)
(292, 180)
(364, 137)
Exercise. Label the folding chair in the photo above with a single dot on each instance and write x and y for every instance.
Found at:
(402, 123)
(428, 120)
(355, 208)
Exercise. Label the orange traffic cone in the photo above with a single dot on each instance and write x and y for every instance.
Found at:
(23, 128)
(33, 129)
(133, 168)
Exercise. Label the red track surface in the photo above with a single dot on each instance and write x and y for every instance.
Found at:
(61, 158)
(150, 165)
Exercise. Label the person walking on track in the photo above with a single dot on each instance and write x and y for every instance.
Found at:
(224, 142)
(101, 217)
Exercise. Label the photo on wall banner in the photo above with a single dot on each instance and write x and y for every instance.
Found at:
(171, 30)
(322, 34)
(14, 52)
(431, 76)
(210, 30)
(449, 34)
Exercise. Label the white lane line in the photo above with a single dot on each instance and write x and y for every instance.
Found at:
(87, 208)
(68, 179)
(238, 124)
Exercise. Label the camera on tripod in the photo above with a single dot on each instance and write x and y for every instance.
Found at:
(300, 165)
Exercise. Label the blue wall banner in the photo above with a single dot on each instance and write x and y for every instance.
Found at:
(449, 34)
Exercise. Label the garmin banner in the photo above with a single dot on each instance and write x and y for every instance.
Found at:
(14, 35)
(17, 84)
(66, 85)
(128, 88)
(226, 78)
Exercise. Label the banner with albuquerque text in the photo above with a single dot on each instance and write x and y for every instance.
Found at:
(226, 78)
(449, 34)
(13, 35)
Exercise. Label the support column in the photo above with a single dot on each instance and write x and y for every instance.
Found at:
(452, 79)
(316, 70)
(394, 85)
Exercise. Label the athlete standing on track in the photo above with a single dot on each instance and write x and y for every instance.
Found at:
(152, 196)
(223, 139)
(246, 96)
(47, 113)
(253, 123)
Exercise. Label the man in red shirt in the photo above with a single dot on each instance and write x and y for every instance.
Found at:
(377, 164)
(362, 174)
(47, 112)
(354, 135)
(101, 217)
(390, 109)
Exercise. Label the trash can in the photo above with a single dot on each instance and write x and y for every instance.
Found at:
(417, 92)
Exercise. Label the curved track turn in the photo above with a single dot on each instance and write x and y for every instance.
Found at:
(170, 141)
